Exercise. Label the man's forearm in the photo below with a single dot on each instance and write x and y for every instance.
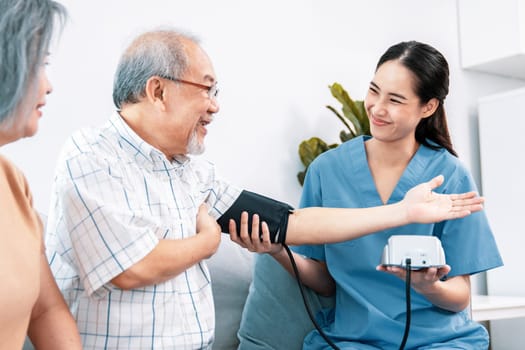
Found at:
(167, 260)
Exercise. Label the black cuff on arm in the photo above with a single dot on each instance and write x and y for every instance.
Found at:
(273, 212)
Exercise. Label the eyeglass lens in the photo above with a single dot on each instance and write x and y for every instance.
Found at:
(213, 92)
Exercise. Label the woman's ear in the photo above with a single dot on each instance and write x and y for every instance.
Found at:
(430, 107)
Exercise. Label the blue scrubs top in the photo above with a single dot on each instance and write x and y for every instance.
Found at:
(370, 309)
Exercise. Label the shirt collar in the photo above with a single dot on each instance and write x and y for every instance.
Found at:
(139, 149)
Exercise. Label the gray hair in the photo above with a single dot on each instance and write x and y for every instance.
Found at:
(26, 28)
(154, 53)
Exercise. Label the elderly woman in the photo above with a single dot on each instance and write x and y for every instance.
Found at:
(29, 298)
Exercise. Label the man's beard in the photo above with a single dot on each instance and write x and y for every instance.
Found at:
(194, 147)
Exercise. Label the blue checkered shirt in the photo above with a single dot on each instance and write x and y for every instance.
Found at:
(114, 197)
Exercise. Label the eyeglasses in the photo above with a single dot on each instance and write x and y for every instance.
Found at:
(213, 90)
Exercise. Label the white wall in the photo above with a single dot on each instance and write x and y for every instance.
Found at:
(274, 61)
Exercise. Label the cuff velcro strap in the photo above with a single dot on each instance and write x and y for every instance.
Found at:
(273, 212)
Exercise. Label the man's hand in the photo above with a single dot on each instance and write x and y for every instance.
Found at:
(207, 225)
(424, 206)
(252, 241)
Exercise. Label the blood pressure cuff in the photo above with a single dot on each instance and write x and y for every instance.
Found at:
(273, 212)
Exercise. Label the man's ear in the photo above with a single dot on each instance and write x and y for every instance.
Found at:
(430, 107)
(155, 91)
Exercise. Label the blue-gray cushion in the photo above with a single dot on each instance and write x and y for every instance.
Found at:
(274, 316)
(231, 274)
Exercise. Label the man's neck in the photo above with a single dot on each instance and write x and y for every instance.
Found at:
(144, 123)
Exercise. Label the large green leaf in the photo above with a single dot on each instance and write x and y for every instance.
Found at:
(300, 176)
(345, 136)
(354, 118)
(341, 119)
(363, 117)
(350, 110)
(310, 149)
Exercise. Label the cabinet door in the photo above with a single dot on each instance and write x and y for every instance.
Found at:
(502, 151)
(492, 36)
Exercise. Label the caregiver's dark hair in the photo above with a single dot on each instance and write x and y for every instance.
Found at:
(430, 71)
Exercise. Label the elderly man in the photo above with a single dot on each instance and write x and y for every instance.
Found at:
(125, 205)
(133, 217)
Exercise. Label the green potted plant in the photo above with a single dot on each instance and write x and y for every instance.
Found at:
(352, 114)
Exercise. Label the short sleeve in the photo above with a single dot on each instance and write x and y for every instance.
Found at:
(17, 201)
(220, 194)
(94, 204)
(469, 243)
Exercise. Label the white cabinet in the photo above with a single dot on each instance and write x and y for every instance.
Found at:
(502, 152)
(492, 36)
(492, 40)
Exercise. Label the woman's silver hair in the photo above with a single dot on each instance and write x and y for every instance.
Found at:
(26, 28)
(155, 53)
